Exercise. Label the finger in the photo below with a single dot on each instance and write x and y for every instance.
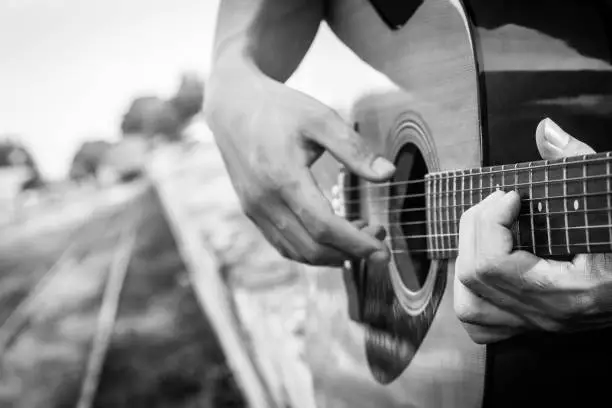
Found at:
(503, 209)
(555, 143)
(468, 220)
(348, 147)
(291, 233)
(359, 224)
(373, 230)
(539, 290)
(274, 236)
(291, 239)
(376, 231)
(489, 334)
(484, 243)
(314, 212)
(473, 309)
(479, 228)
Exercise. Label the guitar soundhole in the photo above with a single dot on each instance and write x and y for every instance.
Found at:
(407, 218)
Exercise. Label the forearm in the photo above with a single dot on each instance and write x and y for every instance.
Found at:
(269, 37)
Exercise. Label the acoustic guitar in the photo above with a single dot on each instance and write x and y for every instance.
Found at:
(470, 81)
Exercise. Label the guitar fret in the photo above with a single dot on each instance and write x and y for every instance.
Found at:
(480, 181)
(434, 215)
(586, 218)
(462, 191)
(443, 217)
(518, 223)
(439, 214)
(608, 197)
(429, 214)
(546, 195)
(448, 224)
(455, 211)
(471, 189)
(563, 196)
(564, 183)
(533, 241)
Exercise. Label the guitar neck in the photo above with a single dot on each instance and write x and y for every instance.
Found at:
(565, 204)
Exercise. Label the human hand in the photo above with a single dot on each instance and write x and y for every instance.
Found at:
(500, 293)
(269, 136)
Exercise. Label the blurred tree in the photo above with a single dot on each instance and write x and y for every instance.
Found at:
(13, 153)
(151, 116)
(87, 159)
(143, 115)
(189, 98)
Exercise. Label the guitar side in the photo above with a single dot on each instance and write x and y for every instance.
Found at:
(466, 89)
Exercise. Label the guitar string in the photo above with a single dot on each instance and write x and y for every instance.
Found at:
(425, 209)
(516, 247)
(448, 223)
(498, 185)
(453, 234)
(456, 192)
(512, 168)
(456, 222)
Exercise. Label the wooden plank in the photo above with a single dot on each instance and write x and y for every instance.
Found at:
(212, 294)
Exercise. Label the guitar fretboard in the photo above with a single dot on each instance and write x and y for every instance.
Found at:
(565, 204)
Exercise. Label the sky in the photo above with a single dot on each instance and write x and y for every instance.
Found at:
(70, 68)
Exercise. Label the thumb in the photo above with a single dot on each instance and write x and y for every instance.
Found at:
(351, 149)
(555, 143)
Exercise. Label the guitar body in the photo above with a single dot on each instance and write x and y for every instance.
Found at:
(468, 83)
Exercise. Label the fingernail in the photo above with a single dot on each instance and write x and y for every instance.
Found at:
(555, 135)
(379, 258)
(382, 166)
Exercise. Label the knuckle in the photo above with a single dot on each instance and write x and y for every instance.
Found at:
(479, 337)
(464, 307)
(587, 304)
(484, 268)
(272, 183)
(321, 232)
(477, 334)
(463, 269)
(324, 117)
(317, 123)
(551, 325)
(473, 270)
(578, 306)
(284, 252)
(466, 313)
(461, 311)
(251, 203)
(313, 255)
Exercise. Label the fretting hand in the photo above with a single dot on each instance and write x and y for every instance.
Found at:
(499, 293)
